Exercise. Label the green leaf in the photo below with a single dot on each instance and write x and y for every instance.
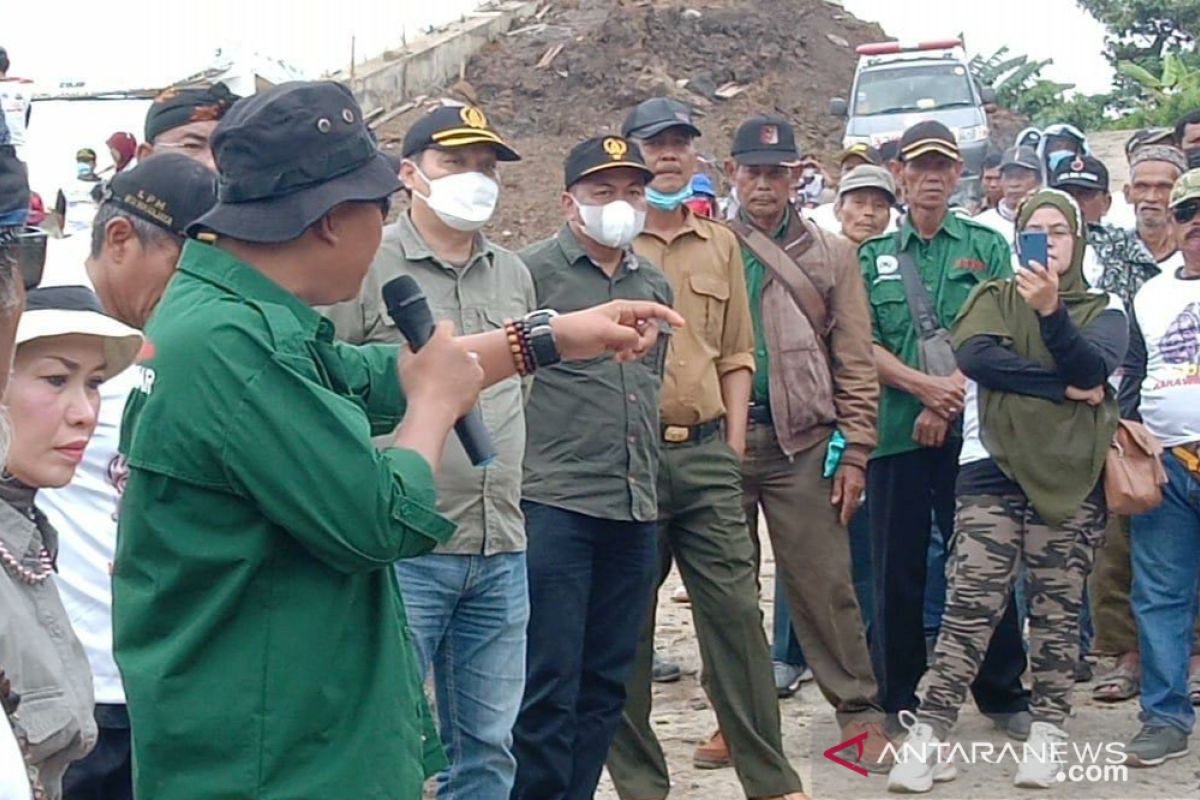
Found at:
(1139, 74)
(1173, 70)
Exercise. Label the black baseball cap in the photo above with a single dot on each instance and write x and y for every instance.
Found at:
(451, 126)
(600, 153)
(1021, 156)
(169, 190)
(765, 141)
(288, 155)
(651, 117)
(176, 107)
(859, 150)
(925, 137)
(1085, 172)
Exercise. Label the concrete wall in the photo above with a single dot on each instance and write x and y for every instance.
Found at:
(434, 61)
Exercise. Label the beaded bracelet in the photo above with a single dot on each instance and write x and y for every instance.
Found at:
(518, 345)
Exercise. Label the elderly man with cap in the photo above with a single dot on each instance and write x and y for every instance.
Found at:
(851, 158)
(1020, 174)
(136, 239)
(258, 623)
(1129, 260)
(812, 418)
(183, 121)
(1160, 388)
(913, 469)
(866, 203)
(701, 519)
(590, 498)
(466, 600)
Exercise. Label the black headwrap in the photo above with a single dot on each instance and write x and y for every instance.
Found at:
(175, 107)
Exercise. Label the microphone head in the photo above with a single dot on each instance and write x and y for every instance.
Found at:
(407, 307)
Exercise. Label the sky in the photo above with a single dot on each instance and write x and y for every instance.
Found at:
(1041, 29)
(161, 41)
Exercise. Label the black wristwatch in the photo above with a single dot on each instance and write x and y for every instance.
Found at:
(541, 337)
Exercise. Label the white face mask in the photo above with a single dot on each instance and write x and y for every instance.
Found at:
(614, 224)
(464, 201)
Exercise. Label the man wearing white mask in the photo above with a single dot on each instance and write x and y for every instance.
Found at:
(467, 602)
(590, 496)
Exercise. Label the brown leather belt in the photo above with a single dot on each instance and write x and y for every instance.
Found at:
(683, 434)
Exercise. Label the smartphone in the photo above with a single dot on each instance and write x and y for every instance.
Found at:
(1032, 246)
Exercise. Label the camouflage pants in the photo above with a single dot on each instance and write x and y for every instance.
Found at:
(993, 537)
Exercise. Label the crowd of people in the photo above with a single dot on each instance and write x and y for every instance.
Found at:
(239, 542)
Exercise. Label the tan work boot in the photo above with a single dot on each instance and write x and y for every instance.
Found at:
(713, 754)
(874, 757)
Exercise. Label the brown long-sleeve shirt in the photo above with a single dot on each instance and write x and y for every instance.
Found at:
(704, 264)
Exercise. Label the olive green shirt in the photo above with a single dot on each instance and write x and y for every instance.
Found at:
(961, 255)
(593, 424)
(756, 277)
(484, 502)
(258, 624)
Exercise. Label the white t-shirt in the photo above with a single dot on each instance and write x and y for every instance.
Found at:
(16, 95)
(85, 514)
(994, 219)
(1168, 313)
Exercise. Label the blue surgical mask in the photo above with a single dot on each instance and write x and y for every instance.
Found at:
(1057, 157)
(82, 169)
(667, 202)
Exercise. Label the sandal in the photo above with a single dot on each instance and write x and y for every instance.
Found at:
(1119, 685)
(1194, 688)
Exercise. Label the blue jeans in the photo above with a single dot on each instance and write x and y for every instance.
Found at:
(784, 647)
(468, 617)
(1165, 554)
(591, 581)
(935, 581)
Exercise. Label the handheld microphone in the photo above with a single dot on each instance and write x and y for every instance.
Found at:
(408, 308)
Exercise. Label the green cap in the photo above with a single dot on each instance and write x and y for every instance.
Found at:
(1186, 188)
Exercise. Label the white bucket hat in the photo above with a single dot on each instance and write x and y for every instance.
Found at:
(66, 310)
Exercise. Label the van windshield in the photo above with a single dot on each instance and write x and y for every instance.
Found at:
(912, 88)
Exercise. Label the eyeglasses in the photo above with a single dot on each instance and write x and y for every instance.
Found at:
(1054, 231)
(1185, 212)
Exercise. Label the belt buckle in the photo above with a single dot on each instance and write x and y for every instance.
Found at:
(676, 434)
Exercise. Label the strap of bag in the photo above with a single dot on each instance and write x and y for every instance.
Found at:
(919, 302)
(788, 271)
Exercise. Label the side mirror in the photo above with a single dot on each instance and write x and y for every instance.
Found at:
(988, 95)
(838, 107)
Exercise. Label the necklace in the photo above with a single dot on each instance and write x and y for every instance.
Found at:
(19, 570)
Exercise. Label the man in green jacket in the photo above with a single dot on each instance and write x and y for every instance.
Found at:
(258, 624)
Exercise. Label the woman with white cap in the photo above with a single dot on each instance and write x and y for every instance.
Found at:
(65, 348)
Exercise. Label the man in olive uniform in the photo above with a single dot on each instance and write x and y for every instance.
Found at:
(258, 624)
(702, 523)
(589, 493)
(467, 601)
(914, 467)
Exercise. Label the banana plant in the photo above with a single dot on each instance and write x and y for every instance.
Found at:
(1176, 76)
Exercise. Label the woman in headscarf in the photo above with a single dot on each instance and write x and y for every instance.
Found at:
(1039, 418)
(122, 146)
(66, 347)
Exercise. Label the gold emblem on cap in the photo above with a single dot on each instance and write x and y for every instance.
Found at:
(473, 117)
(616, 148)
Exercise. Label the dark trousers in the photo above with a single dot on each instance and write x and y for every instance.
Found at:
(104, 774)
(590, 585)
(903, 491)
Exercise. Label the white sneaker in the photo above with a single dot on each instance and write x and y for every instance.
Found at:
(1044, 757)
(680, 595)
(918, 763)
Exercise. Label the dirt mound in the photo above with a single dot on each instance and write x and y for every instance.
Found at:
(727, 58)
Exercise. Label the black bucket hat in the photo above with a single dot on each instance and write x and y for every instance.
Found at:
(288, 155)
